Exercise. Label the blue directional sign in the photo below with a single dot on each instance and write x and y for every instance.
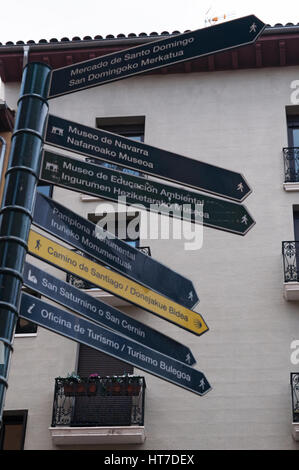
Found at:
(143, 158)
(88, 333)
(153, 196)
(103, 314)
(110, 250)
(154, 55)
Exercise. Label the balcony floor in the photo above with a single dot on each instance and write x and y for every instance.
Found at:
(65, 436)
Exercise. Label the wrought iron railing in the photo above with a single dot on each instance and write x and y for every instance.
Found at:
(290, 253)
(295, 396)
(291, 164)
(81, 284)
(106, 401)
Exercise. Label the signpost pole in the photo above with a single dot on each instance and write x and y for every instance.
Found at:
(17, 204)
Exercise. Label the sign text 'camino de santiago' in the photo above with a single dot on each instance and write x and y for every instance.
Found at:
(152, 195)
(97, 311)
(154, 55)
(97, 243)
(116, 345)
(115, 283)
(144, 158)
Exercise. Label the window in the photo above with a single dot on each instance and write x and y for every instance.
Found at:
(291, 153)
(25, 327)
(116, 224)
(131, 127)
(45, 189)
(293, 131)
(12, 433)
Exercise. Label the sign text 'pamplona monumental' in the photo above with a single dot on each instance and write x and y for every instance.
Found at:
(110, 250)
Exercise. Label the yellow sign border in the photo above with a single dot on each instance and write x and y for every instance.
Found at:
(115, 283)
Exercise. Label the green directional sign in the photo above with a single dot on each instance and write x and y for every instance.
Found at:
(110, 184)
(154, 55)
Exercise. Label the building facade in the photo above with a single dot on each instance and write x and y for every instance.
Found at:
(238, 110)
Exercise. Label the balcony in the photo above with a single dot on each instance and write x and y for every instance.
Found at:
(95, 291)
(295, 404)
(291, 168)
(106, 410)
(290, 253)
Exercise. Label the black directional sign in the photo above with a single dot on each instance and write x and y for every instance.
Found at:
(144, 158)
(152, 195)
(103, 314)
(88, 333)
(154, 55)
(97, 243)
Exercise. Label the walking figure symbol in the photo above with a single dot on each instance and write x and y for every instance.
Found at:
(202, 384)
(253, 28)
(37, 245)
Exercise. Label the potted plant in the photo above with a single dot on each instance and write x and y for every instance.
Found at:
(92, 384)
(133, 386)
(72, 385)
(114, 385)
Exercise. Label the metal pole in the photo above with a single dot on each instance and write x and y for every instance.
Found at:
(17, 203)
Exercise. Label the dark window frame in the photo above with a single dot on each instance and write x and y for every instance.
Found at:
(14, 417)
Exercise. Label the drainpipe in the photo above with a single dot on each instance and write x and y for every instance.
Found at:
(2, 155)
(25, 55)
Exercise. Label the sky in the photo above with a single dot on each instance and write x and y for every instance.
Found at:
(35, 19)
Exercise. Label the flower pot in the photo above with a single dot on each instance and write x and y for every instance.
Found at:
(92, 388)
(133, 389)
(80, 389)
(114, 389)
(69, 389)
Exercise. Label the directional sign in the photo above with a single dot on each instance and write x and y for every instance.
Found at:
(118, 285)
(141, 157)
(103, 314)
(116, 345)
(154, 55)
(91, 239)
(152, 195)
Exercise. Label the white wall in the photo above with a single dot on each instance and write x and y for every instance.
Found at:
(236, 120)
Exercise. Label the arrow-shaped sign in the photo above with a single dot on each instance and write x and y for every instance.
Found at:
(152, 195)
(121, 286)
(154, 55)
(116, 345)
(97, 311)
(110, 250)
(141, 157)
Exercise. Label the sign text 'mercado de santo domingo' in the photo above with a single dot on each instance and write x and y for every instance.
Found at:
(110, 281)
(154, 55)
(151, 195)
(110, 250)
(97, 311)
(144, 158)
(111, 343)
